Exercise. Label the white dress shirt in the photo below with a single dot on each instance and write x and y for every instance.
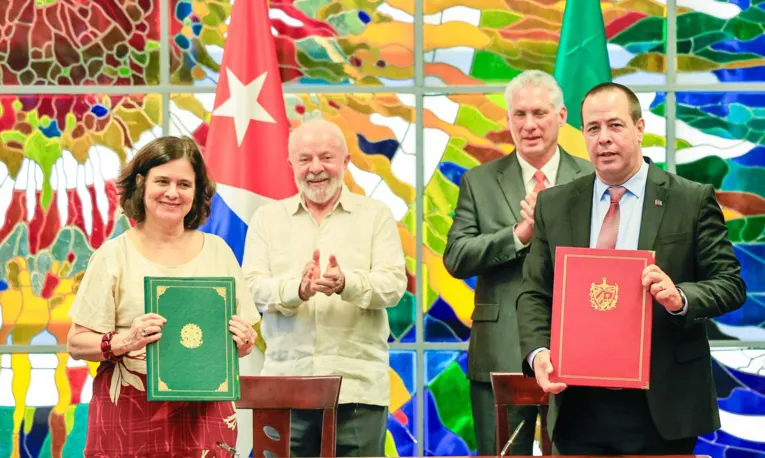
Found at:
(550, 169)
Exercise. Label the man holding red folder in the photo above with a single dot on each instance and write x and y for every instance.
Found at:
(631, 204)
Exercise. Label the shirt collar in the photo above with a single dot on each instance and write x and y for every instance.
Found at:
(635, 185)
(346, 201)
(550, 169)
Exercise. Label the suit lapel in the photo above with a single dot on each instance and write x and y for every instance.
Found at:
(580, 212)
(653, 207)
(511, 183)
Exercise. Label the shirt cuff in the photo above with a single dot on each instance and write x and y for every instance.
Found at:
(530, 359)
(289, 293)
(352, 288)
(517, 242)
(684, 310)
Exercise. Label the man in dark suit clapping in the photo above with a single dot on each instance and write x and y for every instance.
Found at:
(490, 236)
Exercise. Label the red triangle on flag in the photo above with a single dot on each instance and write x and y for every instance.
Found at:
(246, 144)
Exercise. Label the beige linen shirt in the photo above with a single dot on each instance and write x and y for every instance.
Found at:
(345, 334)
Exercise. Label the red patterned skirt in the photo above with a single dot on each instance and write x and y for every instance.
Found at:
(135, 427)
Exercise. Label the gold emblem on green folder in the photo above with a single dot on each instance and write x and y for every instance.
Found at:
(196, 359)
(191, 336)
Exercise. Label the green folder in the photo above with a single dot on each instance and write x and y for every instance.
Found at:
(196, 359)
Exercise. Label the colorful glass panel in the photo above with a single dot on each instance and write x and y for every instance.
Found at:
(317, 42)
(723, 144)
(490, 42)
(58, 203)
(448, 416)
(720, 41)
(401, 438)
(61, 43)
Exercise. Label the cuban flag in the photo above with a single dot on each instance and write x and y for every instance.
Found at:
(246, 146)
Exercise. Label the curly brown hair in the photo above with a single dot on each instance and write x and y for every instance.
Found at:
(158, 152)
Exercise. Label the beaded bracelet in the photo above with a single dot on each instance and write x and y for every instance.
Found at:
(106, 346)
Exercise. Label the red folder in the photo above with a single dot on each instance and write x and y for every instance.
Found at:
(602, 317)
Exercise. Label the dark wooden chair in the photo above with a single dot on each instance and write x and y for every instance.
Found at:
(514, 389)
(272, 398)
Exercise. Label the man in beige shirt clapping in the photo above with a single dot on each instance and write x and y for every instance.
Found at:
(322, 267)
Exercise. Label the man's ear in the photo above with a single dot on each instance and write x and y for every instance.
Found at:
(641, 130)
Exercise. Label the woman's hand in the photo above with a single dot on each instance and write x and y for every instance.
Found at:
(243, 335)
(144, 330)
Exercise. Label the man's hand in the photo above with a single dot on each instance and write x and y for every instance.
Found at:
(525, 229)
(311, 273)
(542, 370)
(662, 288)
(333, 280)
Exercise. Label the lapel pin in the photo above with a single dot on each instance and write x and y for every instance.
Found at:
(658, 203)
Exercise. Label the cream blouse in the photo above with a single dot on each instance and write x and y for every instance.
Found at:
(111, 294)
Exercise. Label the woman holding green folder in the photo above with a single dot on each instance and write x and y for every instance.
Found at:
(166, 191)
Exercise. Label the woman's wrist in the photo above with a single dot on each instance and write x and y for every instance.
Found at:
(116, 349)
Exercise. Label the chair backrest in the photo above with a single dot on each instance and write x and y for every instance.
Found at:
(272, 398)
(515, 389)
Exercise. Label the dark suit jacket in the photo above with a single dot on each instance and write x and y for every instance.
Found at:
(689, 236)
(480, 242)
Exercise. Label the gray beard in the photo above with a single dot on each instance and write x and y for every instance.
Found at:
(320, 196)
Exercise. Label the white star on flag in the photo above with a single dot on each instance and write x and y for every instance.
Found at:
(243, 105)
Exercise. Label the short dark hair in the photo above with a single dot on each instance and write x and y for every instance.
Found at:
(636, 112)
(158, 152)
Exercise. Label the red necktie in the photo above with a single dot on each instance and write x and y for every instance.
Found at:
(539, 177)
(610, 228)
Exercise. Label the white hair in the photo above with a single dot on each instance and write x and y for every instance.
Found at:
(321, 125)
(535, 78)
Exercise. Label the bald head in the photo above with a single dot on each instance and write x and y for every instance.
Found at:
(318, 155)
(317, 130)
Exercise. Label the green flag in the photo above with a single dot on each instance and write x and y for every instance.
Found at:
(582, 59)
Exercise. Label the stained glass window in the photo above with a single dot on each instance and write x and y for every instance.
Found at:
(448, 416)
(76, 43)
(401, 437)
(60, 157)
(723, 137)
(720, 42)
(355, 42)
(469, 43)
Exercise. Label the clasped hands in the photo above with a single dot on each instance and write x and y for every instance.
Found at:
(333, 280)
(655, 281)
